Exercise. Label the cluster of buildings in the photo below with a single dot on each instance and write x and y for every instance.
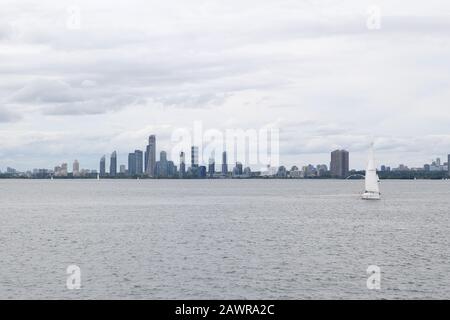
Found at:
(146, 165)
(435, 166)
(62, 171)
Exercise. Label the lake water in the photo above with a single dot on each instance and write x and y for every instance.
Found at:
(223, 239)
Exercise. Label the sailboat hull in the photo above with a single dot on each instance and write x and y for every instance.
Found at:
(371, 196)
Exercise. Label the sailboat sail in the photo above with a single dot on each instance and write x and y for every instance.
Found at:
(372, 179)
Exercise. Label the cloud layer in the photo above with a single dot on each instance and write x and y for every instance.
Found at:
(119, 72)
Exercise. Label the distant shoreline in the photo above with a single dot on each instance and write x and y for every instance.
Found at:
(235, 178)
(352, 175)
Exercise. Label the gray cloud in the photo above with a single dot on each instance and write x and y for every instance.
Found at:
(92, 107)
(193, 100)
(56, 97)
(5, 31)
(45, 91)
(7, 115)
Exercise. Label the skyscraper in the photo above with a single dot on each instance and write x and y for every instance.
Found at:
(238, 169)
(135, 163)
(113, 164)
(182, 165)
(224, 163)
(103, 166)
(201, 172)
(171, 169)
(162, 166)
(194, 157)
(76, 168)
(150, 157)
(132, 164)
(339, 165)
(211, 167)
(63, 171)
(448, 164)
(138, 154)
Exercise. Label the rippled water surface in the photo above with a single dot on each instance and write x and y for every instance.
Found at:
(223, 239)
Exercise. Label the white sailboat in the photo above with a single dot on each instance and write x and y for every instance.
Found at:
(372, 191)
(98, 176)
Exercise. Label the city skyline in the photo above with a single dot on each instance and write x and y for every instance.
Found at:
(359, 157)
(118, 164)
(147, 164)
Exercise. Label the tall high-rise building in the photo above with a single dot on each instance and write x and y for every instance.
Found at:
(162, 166)
(63, 171)
(123, 169)
(132, 164)
(171, 169)
(211, 167)
(182, 165)
(138, 154)
(150, 157)
(103, 166)
(201, 172)
(448, 164)
(224, 163)
(60, 171)
(76, 168)
(146, 160)
(238, 169)
(339, 165)
(135, 163)
(322, 170)
(113, 164)
(194, 157)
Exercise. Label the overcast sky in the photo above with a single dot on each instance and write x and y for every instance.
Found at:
(311, 67)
